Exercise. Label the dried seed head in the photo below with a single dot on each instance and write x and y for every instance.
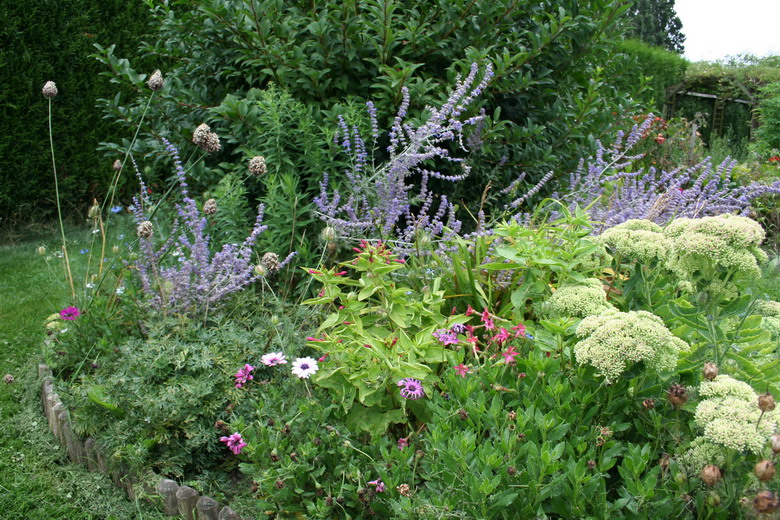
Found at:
(328, 234)
(648, 404)
(49, 90)
(664, 462)
(765, 502)
(257, 166)
(115, 249)
(677, 395)
(41, 250)
(117, 165)
(8, 379)
(765, 470)
(766, 402)
(511, 471)
(145, 229)
(156, 80)
(94, 211)
(463, 414)
(255, 486)
(711, 475)
(419, 454)
(774, 440)
(591, 464)
(221, 425)
(294, 456)
(205, 139)
(404, 490)
(210, 207)
(511, 415)
(271, 262)
(279, 484)
(274, 457)
(710, 371)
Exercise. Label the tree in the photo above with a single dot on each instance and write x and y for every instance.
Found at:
(656, 23)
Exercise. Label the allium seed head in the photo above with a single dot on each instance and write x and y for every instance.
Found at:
(210, 207)
(145, 229)
(774, 440)
(156, 80)
(117, 165)
(271, 262)
(677, 395)
(205, 139)
(8, 379)
(257, 166)
(49, 90)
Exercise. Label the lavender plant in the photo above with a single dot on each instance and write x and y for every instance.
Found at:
(386, 200)
(199, 281)
(615, 189)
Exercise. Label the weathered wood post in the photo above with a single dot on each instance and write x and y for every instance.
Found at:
(188, 499)
(167, 489)
(208, 509)
(228, 514)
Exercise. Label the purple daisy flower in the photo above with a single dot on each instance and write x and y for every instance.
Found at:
(234, 442)
(458, 328)
(70, 313)
(274, 358)
(445, 336)
(243, 375)
(304, 367)
(411, 388)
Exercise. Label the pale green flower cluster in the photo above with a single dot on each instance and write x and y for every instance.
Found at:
(726, 242)
(635, 239)
(700, 453)
(578, 299)
(769, 310)
(727, 386)
(615, 340)
(730, 416)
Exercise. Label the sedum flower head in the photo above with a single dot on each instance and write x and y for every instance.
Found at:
(49, 90)
(615, 340)
(578, 299)
(635, 239)
(726, 386)
(700, 453)
(727, 242)
(733, 421)
(770, 312)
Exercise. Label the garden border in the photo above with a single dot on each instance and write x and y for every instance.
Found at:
(173, 499)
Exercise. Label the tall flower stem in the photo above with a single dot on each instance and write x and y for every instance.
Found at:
(59, 209)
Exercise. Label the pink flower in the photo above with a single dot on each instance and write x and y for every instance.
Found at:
(403, 442)
(273, 358)
(243, 375)
(462, 370)
(489, 325)
(509, 355)
(234, 442)
(519, 330)
(469, 310)
(380, 486)
(323, 358)
(502, 335)
(70, 313)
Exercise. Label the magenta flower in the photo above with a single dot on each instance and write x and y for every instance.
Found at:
(244, 375)
(519, 330)
(234, 442)
(273, 358)
(380, 486)
(509, 355)
(403, 442)
(462, 370)
(70, 313)
(502, 335)
(411, 388)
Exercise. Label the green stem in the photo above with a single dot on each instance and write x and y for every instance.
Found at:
(59, 208)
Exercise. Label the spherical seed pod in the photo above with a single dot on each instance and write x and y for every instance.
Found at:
(711, 475)
(710, 371)
(49, 90)
(115, 249)
(328, 234)
(713, 499)
(774, 441)
(94, 211)
(766, 402)
(765, 502)
(260, 270)
(41, 250)
(677, 395)
(765, 470)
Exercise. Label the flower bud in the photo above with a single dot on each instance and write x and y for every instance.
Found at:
(713, 499)
(765, 470)
(766, 402)
(257, 166)
(774, 440)
(328, 234)
(117, 165)
(210, 207)
(765, 502)
(94, 211)
(115, 249)
(145, 229)
(260, 270)
(710, 371)
(677, 395)
(49, 90)
(155, 81)
(711, 475)
(41, 250)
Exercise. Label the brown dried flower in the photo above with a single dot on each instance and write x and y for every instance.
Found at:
(279, 484)
(117, 165)
(648, 404)
(463, 414)
(210, 207)
(257, 166)
(404, 490)
(774, 440)
(270, 262)
(765, 470)
(8, 379)
(591, 464)
(49, 90)
(145, 229)
(511, 471)
(711, 475)
(156, 80)
(205, 139)
(765, 502)
(710, 371)
(677, 395)
(766, 402)
(511, 415)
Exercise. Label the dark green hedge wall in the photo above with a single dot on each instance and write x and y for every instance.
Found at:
(665, 68)
(52, 40)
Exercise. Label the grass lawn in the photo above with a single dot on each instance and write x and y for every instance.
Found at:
(36, 479)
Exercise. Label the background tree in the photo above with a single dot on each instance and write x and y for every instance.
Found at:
(657, 23)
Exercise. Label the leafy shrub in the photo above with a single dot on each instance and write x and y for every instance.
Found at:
(663, 68)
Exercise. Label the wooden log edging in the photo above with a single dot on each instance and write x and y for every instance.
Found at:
(174, 500)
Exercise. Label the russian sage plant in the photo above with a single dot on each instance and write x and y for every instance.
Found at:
(390, 201)
(199, 281)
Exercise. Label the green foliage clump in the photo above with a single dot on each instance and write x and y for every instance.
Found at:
(613, 341)
(770, 311)
(663, 68)
(578, 299)
(768, 133)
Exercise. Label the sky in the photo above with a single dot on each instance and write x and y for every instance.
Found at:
(719, 28)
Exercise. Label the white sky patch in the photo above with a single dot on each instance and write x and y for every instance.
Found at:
(716, 29)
